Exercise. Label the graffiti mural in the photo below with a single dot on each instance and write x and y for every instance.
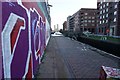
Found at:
(0, 41)
(23, 38)
(37, 37)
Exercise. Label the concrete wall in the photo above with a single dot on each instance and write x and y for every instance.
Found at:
(23, 38)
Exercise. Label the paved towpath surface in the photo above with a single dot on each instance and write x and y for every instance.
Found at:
(67, 58)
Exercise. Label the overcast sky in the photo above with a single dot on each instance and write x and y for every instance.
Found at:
(63, 8)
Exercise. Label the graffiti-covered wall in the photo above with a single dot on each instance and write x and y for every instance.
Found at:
(24, 31)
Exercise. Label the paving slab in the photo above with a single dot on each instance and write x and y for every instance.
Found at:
(67, 58)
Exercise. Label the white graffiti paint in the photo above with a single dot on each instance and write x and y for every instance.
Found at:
(6, 43)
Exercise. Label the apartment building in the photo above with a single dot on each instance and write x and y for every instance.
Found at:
(76, 22)
(68, 23)
(71, 23)
(83, 20)
(88, 19)
(65, 26)
(108, 17)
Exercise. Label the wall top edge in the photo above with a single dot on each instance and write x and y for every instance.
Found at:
(24, 0)
(108, 0)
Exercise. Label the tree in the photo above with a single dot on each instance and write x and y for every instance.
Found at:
(61, 30)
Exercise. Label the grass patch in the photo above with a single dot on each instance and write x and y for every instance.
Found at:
(106, 38)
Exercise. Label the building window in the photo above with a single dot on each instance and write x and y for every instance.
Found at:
(82, 25)
(115, 12)
(100, 22)
(98, 3)
(106, 21)
(93, 21)
(93, 17)
(97, 21)
(114, 19)
(86, 13)
(89, 17)
(101, 7)
(100, 12)
(82, 21)
(113, 30)
(85, 24)
(104, 0)
(89, 21)
(99, 30)
(103, 16)
(93, 24)
(85, 17)
(107, 15)
(102, 29)
(107, 10)
(85, 21)
(107, 4)
(100, 17)
(104, 6)
(103, 11)
(115, 6)
(116, 0)
(103, 21)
